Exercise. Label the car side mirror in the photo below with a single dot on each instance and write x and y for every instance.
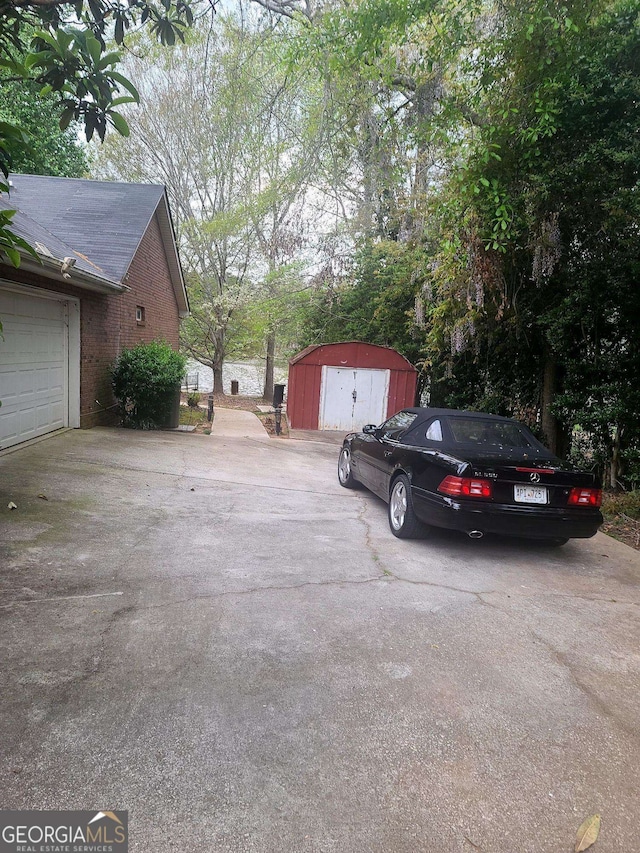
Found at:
(369, 429)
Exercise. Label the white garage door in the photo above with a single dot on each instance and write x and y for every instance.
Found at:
(352, 397)
(34, 366)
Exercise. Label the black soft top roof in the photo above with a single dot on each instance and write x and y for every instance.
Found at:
(426, 412)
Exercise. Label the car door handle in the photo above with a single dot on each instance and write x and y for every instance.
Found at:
(388, 453)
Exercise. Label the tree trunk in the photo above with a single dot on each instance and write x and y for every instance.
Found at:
(615, 466)
(219, 341)
(422, 385)
(268, 370)
(217, 379)
(424, 100)
(549, 422)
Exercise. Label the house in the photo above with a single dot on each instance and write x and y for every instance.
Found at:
(108, 276)
(342, 386)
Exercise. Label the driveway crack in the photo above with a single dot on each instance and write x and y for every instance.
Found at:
(362, 517)
(256, 589)
(563, 662)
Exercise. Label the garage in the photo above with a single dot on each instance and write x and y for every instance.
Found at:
(342, 386)
(39, 363)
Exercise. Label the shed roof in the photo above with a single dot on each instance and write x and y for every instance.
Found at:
(392, 354)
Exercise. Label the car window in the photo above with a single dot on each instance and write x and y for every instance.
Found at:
(398, 424)
(434, 431)
(488, 433)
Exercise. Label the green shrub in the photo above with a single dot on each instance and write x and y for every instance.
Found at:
(145, 379)
(193, 399)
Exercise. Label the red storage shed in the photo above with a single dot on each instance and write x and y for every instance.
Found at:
(346, 385)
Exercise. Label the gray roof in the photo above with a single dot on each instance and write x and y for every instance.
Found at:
(99, 223)
(101, 220)
(43, 241)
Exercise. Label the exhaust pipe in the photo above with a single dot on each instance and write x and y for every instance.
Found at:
(475, 534)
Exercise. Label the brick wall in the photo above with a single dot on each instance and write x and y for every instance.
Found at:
(108, 322)
(151, 288)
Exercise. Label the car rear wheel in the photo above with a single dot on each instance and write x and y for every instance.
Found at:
(345, 474)
(402, 518)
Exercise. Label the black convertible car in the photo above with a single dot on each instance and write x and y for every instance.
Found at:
(472, 472)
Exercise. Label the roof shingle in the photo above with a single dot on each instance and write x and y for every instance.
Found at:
(101, 222)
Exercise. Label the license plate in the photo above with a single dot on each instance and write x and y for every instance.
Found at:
(530, 494)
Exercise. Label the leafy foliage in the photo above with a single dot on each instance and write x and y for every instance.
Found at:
(68, 52)
(499, 144)
(61, 49)
(144, 381)
(236, 162)
(483, 157)
(535, 274)
(375, 302)
(47, 149)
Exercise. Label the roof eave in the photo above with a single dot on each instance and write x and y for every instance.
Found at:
(50, 268)
(173, 259)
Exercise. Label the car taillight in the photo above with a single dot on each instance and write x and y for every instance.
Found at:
(585, 497)
(465, 487)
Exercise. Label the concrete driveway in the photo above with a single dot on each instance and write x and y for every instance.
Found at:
(209, 632)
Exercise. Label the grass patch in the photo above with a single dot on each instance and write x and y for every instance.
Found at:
(191, 417)
(268, 420)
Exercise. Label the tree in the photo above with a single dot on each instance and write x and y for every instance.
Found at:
(283, 141)
(50, 151)
(501, 141)
(224, 125)
(62, 49)
(484, 297)
(188, 133)
(374, 302)
(591, 323)
(535, 273)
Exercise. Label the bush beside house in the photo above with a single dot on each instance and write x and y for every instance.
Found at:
(146, 378)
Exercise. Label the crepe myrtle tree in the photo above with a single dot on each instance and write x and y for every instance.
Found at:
(64, 49)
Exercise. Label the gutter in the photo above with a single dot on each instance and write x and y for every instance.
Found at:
(51, 267)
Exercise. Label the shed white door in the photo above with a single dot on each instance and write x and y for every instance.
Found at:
(34, 366)
(351, 397)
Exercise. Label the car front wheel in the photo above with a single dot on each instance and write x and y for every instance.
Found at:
(345, 474)
(402, 518)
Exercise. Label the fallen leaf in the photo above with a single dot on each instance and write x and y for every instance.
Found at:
(588, 833)
(11, 505)
(43, 497)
